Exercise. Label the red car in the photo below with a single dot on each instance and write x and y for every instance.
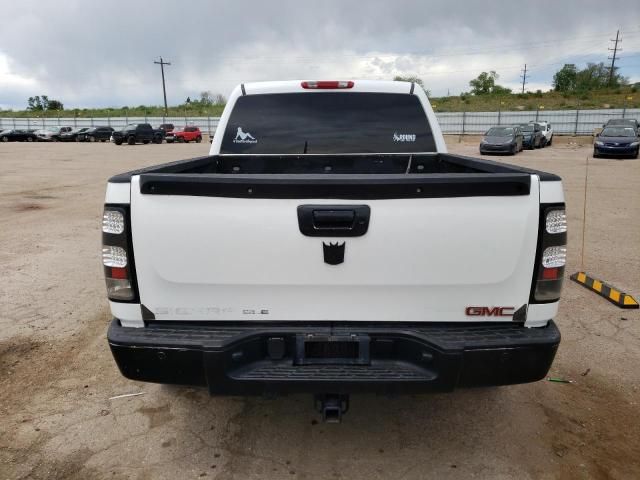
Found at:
(188, 134)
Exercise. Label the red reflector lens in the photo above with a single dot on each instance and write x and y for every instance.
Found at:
(327, 84)
(119, 273)
(550, 273)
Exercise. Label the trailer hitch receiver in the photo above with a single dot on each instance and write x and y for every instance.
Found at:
(332, 406)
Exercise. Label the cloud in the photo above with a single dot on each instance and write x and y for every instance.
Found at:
(97, 54)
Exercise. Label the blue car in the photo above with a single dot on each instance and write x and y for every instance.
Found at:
(617, 141)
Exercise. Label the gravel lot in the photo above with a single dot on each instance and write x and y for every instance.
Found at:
(57, 374)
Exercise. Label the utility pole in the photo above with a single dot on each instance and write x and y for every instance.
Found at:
(162, 63)
(615, 50)
(524, 77)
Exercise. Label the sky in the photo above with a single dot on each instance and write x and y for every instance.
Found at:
(100, 54)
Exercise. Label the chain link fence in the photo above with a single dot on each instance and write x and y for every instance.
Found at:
(564, 122)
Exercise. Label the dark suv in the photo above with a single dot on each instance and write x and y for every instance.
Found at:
(532, 135)
(137, 133)
(96, 134)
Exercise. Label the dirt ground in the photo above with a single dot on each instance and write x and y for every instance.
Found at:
(57, 374)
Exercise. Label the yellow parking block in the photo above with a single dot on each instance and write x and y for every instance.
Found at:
(605, 290)
(630, 301)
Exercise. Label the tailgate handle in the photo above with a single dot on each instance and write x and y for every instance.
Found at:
(333, 220)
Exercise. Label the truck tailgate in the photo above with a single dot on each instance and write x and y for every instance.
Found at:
(208, 252)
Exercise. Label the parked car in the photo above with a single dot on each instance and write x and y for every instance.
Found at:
(546, 131)
(96, 134)
(532, 136)
(617, 141)
(51, 134)
(502, 140)
(166, 127)
(72, 136)
(17, 136)
(624, 122)
(329, 266)
(137, 133)
(169, 132)
(188, 134)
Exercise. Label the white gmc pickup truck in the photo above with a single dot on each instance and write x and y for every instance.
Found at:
(329, 244)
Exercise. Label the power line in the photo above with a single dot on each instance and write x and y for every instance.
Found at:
(162, 63)
(613, 58)
(488, 49)
(524, 77)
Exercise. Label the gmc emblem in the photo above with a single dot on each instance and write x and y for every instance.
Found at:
(489, 311)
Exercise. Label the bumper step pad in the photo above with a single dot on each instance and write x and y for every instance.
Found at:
(401, 357)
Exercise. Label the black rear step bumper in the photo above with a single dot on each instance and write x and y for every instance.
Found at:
(240, 359)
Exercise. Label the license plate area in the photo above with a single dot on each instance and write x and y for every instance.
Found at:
(314, 349)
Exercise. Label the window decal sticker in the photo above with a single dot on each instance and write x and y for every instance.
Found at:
(404, 137)
(244, 137)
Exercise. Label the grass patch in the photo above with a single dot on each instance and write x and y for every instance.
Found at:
(531, 101)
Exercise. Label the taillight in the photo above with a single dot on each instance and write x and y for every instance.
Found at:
(327, 84)
(552, 254)
(117, 257)
(113, 221)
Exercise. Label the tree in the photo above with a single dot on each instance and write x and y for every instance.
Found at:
(483, 84)
(42, 103)
(219, 99)
(55, 105)
(206, 98)
(500, 90)
(34, 104)
(596, 75)
(565, 79)
(593, 77)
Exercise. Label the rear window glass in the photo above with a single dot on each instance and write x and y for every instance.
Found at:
(618, 132)
(328, 122)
